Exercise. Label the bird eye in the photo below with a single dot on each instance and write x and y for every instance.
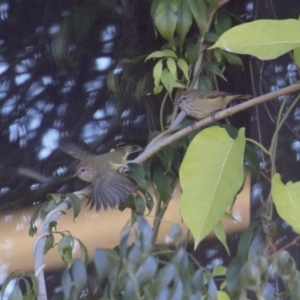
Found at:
(82, 170)
(184, 97)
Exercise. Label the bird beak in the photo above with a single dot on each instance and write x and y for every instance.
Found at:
(176, 102)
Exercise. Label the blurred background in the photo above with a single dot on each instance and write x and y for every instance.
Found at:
(57, 61)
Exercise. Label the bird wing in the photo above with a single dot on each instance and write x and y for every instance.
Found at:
(212, 94)
(77, 150)
(109, 189)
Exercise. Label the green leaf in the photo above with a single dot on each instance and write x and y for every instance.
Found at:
(221, 235)
(223, 23)
(49, 243)
(79, 276)
(219, 271)
(233, 59)
(157, 70)
(191, 53)
(102, 264)
(172, 67)
(244, 243)
(233, 273)
(204, 83)
(32, 227)
(65, 247)
(66, 282)
(165, 19)
(222, 296)
(163, 183)
(136, 172)
(56, 197)
(84, 252)
(214, 68)
(182, 64)
(168, 81)
(265, 39)
(139, 204)
(75, 203)
(286, 200)
(296, 55)
(199, 11)
(157, 89)
(184, 20)
(210, 178)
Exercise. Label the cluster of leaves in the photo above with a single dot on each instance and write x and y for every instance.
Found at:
(256, 270)
(140, 271)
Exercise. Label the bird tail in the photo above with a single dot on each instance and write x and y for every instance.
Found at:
(229, 98)
(127, 149)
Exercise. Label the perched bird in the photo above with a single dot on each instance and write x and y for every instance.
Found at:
(201, 104)
(109, 187)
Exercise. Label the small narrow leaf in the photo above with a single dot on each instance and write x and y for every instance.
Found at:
(157, 70)
(184, 68)
(172, 67)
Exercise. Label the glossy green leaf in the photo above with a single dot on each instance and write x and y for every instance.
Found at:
(182, 64)
(286, 200)
(265, 39)
(172, 67)
(221, 235)
(296, 55)
(211, 174)
(165, 19)
(184, 20)
(199, 11)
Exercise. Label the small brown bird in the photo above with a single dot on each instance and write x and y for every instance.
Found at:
(201, 104)
(109, 187)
